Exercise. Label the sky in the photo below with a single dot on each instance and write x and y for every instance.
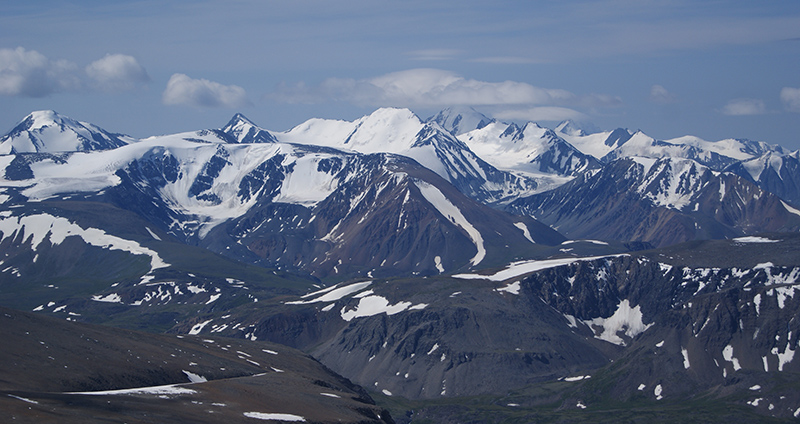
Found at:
(715, 69)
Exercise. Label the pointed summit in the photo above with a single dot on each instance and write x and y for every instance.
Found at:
(46, 131)
(244, 131)
(460, 120)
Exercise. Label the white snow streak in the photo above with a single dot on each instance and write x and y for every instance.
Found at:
(274, 417)
(452, 213)
(37, 228)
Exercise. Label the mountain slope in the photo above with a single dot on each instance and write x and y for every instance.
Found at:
(773, 172)
(55, 371)
(662, 201)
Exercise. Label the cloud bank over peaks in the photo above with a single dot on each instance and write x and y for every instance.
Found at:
(28, 73)
(202, 93)
(434, 88)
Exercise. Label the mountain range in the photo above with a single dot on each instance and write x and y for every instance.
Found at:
(558, 271)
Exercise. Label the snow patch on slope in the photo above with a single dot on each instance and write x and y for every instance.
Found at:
(452, 213)
(625, 318)
(37, 228)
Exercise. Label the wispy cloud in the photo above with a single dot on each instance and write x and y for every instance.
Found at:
(741, 107)
(659, 94)
(433, 54)
(117, 72)
(542, 113)
(791, 98)
(202, 93)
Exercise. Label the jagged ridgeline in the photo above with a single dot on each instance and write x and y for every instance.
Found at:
(429, 259)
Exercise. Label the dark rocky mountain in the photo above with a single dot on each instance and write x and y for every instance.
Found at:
(57, 371)
(662, 202)
(696, 321)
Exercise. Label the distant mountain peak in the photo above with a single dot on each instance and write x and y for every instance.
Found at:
(47, 131)
(460, 119)
(575, 129)
(244, 131)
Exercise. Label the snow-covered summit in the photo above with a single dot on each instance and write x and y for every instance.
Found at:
(245, 131)
(459, 120)
(46, 131)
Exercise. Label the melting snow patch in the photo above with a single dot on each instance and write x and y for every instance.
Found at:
(386, 392)
(624, 318)
(641, 387)
(111, 298)
(57, 229)
(756, 387)
(517, 269)
(170, 389)
(657, 391)
(197, 328)
(274, 417)
(685, 354)
(195, 378)
(580, 405)
(330, 395)
(374, 305)
(578, 378)
(785, 357)
(727, 354)
(437, 261)
(24, 399)
(451, 212)
(755, 402)
(512, 288)
(331, 294)
(525, 231)
(753, 239)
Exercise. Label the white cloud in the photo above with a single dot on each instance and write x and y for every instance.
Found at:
(538, 114)
(28, 73)
(740, 107)
(117, 72)
(434, 88)
(183, 90)
(791, 98)
(659, 94)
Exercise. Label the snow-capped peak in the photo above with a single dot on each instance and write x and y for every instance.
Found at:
(245, 131)
(49, 131)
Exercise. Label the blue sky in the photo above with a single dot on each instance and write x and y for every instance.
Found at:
(714, 69)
